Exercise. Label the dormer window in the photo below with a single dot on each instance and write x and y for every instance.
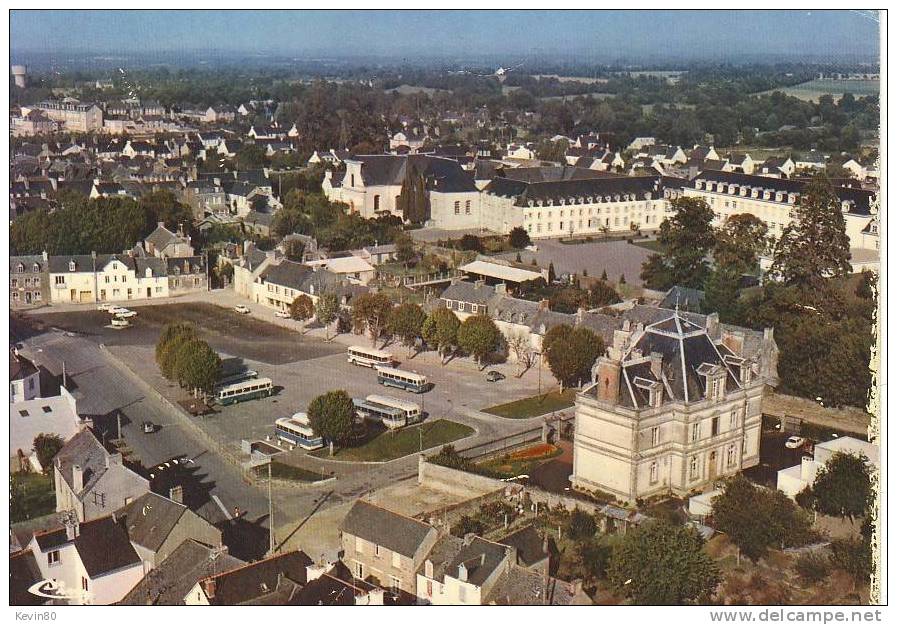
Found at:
(20, 268)
(71, 265)
(149, 272)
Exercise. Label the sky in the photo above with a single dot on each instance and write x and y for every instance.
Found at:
(593, 34)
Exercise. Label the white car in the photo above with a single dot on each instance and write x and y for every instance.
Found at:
(243, 310)
(795, 442)
(124, 313)
(282, 314)
(105, 306)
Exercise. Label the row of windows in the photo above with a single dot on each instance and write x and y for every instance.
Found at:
(573, 213)
(656, 438)
(377, 550)
(35, 296)
(463, 306)
(458, 207)
(572, 226)
(26, 413)
(20, 268)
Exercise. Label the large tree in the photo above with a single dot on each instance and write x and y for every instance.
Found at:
(198, 366)
(659, 563)
(571, 352)
(740, 242)
(519, 238)
(815, 245)
(331, 416)
(370, 313)
(686, 239)
(412, 201)
(721, 294)
(172, 337)
(46, 446)
(479, 336)
(406, 321)
(843, 487)
(302, 308)
(326, 311)
(440, 331)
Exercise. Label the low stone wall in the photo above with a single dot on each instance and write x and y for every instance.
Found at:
(453, 479)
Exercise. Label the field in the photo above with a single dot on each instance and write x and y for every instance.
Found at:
(281, 471)
(814, 89)
(389, 445)
(33, 492)
(535, 405)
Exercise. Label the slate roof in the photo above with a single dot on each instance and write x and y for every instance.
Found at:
(102, 545)
(480, 557)
(683, 298)
(60, 264)
(149, 519)
(169, 582)
(19, 366)
(521, 586)
(86, 451)
(161, 236)
(444, 175)
(593, 187)
(388, 529)
(185, 265)
(250, 582)
(528, 544)
(23, 573)
(468, 292)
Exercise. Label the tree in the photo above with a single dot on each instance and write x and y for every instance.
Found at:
(853, 556)
(602, 294)
(251, 156)
(686, 238)
(552, 276)
(412, 200)
(479, 336)
(467, 525)
(571, 353)
(198, 366)
(519, 345)
(739, 243)
(46, 446)
(519, 238)
(440, 331)
(370, 312)
(294, 250)
(326, 310)
(331, 416)
(659, 563)
(172, 337)
(721, 294)
(406, 321)
(594, 557)
(843, 487)
(756, 519)
(471, 243)
(581, 526)
(405, 252)
(814, 245)
(302, 308)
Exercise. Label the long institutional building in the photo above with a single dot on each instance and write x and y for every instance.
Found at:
(565, 201)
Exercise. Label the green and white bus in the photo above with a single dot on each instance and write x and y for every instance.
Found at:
(405, 380)
(244, 391)
(392, 413)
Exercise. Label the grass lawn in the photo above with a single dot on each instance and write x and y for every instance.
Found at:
(653, 244)
(281, 471)
(389, 445)
(522, 461)
(31, 496)
(535, 405)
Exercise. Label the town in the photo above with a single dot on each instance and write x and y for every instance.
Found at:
(328, 335)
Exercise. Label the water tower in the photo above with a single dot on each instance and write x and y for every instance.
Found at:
(18, 73)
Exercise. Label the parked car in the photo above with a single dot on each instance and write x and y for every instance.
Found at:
(120, 322)
(494, 376)
(105, 306)
(243, 310)
(121, 311)
(148, 427)
(282, 314)
(795, 442)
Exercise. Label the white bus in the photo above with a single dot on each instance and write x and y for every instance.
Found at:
(405, 380)
(243, 391)
(368, 357)
(393, 413)
(242, 376)
(296, 430)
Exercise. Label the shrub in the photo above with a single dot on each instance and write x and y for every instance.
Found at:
(812, 566)
(467, 525)
(582, 525)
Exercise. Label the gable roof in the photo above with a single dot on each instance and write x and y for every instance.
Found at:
(528, 543)
(383, 527)
(102, 545)
(149, 519)
(252, 581)
(480, 557)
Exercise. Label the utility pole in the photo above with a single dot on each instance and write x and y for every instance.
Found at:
(539, 356)
(270, 515)
(118, 418)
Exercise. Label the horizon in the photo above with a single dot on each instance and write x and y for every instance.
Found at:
(597, 37)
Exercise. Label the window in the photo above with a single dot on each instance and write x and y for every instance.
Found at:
(714, 426)
(376, 550)
(53, 558)
(730, 455)
(71, 265)
(693, 467)
(653, 476)
(14, 283)
(46, 409)
(376, 203)
(84, 584)
(695, 432)
(467, 207)
(395, 584)
(358, 570)
(655, 435)
(733, 419)
(23, 413)
(59, 279)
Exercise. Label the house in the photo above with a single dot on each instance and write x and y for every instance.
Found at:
(164, 243)
(281, 281)
(793, 480)
(740, 163)
(703, 153)
(171, 580)
(157, 526)
(34, 122)
(776, 167)
(814, 161)
(91, 481)
(462, 571)
(23, 575)
(674, 405)
(272, 581)
(856, 170)
(34, 411)
(378, 543)
(91, 562)
(29, 280)
(73, 115)
(530, 549)
(218, 114)
(354, 268)
(640, 143)
(377, 254)
(133, 149)
(186, 274)
(495, 273)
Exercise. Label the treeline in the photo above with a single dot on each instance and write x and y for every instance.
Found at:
(105, 225)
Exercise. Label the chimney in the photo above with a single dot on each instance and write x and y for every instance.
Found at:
(712, 324)
(176, 494)
(72, 527)
(208, 586)
(501, 288)
(161, 224)
(462, 572)
(656, 364)
(608, 379)
(621, 341)
(734, 340)
(77, 478)
(46, 256)
(768, 334)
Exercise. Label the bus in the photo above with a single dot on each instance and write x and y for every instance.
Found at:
(296, 430)
(367, 357)
(243, 391)
(393, 413)
(405, 380)
(238, 377)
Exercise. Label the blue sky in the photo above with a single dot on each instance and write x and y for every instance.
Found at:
(693, 34)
